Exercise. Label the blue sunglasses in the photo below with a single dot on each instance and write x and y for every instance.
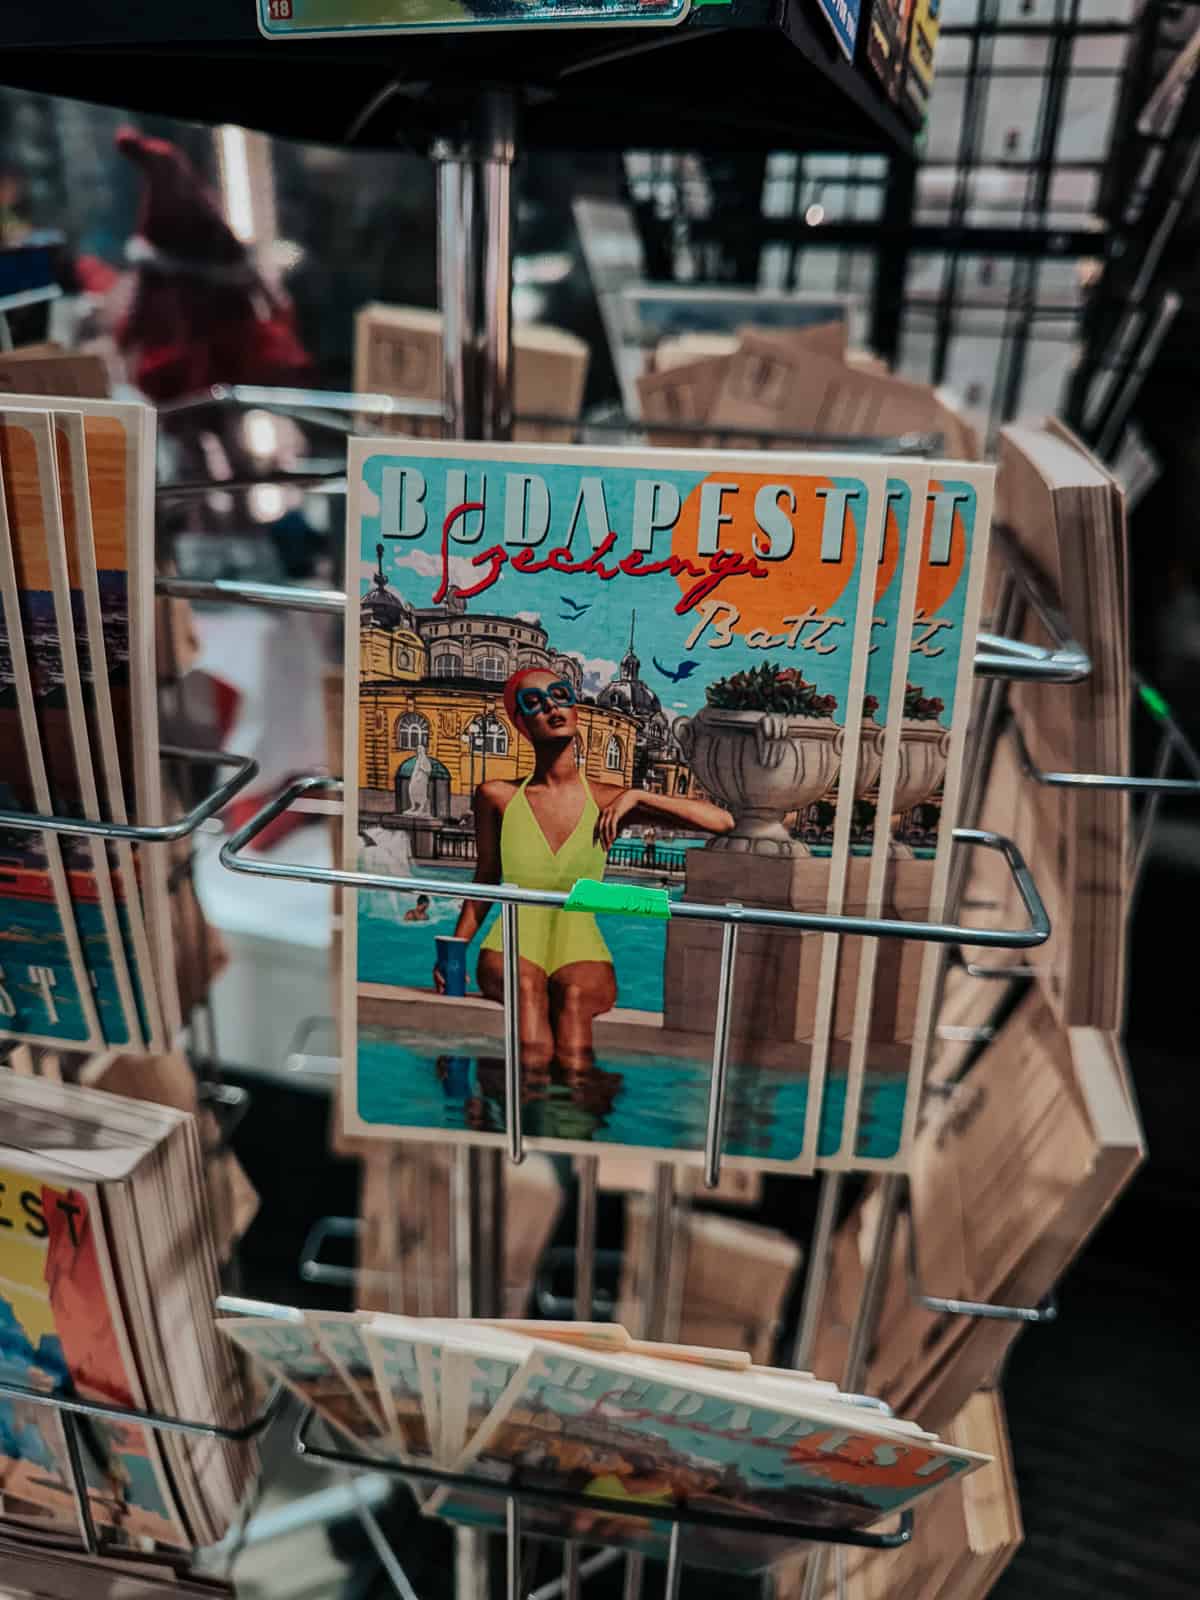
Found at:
(531, 702)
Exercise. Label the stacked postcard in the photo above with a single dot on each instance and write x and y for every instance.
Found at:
(758, 383)
(639, 678)
(612, 1425)
(1013, 1170)
(1064, 516)
(962, 1541)
(398, 352)
(725, 1285)
(108, 1274)
(88, 958)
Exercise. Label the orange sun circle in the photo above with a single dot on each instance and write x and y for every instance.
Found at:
(793, 584)
(935, 585)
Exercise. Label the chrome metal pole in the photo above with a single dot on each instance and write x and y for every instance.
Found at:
(497, 152)
(457, 257)
(674, 1565)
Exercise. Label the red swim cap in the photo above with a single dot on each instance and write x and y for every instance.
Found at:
(514, 682)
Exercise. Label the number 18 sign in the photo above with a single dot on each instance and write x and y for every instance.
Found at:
(298, 19)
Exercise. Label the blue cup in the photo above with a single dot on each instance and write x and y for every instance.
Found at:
(456, 1084)
(452, 962)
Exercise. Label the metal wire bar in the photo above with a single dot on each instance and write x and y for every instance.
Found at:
(239, 592)
(385, 1555)
(79, 1486)
(1096, 780)
(948, 1305)
(1146, 822)
(674, 1566)
(163, 833)
(72, 1405)
(1036, 933)
(344, 411)
(714, 1135)
(782, 1527)
(512, 1032)
(587, 1569)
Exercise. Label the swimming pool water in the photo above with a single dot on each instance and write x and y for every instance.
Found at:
(640, 1100)
(391, 950)
(412, 1080)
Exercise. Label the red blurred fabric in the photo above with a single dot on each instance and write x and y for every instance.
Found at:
(201, 314)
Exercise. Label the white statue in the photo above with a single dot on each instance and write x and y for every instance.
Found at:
(418, 785)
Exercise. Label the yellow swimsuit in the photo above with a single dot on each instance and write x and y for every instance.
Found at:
(550, 939)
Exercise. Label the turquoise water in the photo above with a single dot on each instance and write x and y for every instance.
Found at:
(31, 936)
(658, 1102)
(393, 951)
(408, 1079)
(98, 959)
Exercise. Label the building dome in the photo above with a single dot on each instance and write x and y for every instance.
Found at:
(383, 607)
(627, 692)
(630, 695)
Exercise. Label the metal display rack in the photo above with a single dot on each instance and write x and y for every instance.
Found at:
(210, 63)
(998, 658)
(980, 239)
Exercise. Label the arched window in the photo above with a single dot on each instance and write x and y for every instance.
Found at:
(614, 756)
(412, 732)
(447, 666)
(403, 660)
(491, 737)
(580, 752)
(493, 668)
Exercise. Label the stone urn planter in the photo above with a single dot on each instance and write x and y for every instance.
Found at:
(761, 765)
(870, 758)
(924, 751)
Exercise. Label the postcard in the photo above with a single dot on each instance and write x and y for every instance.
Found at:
(119, 613)
(408, 1366)
(61, 1329)
(45, 988)
(322, 19)
(597, 1426)
(120, 453)
(291, 1352)
(899, 982)
(570, 664)
(340, 1336)
(869, 783)
(94, 511)
(39, 555)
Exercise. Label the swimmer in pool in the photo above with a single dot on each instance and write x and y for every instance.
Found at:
(545, 833)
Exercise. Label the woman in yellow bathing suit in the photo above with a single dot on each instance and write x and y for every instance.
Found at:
(545, 833)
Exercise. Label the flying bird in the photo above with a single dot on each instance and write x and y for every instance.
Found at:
(679, 673)
(575, 610)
